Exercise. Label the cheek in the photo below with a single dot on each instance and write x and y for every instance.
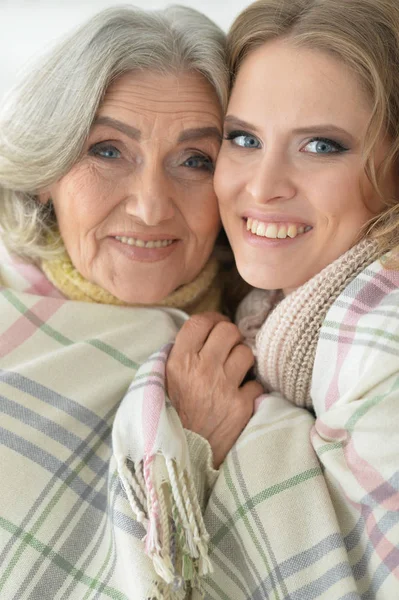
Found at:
(222, 180)
(372, 203)
(202, 214)
(230, 182)
(81, 200)
(335, 195)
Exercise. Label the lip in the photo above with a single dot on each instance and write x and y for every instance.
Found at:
(145, 255)
(274, 217)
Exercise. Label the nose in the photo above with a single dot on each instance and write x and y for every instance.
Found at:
(271, 178)
(150, 198)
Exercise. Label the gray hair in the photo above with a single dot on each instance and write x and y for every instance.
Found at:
(46, 119)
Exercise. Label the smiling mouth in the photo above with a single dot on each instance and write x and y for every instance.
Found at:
(274, 231)
(130, 241)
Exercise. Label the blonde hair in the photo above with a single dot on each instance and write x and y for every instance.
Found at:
(364, 34)
(46, 119)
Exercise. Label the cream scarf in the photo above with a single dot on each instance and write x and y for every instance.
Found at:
(202, 294)
(284, 332)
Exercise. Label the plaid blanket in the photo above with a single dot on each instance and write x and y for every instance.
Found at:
(66, 527)
(303, 507)
(309, 507)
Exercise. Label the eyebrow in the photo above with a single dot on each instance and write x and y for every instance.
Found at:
(130, 131)
(195, 133)
(323, 128)
(198, 133)
(232, 120)
(309, 129)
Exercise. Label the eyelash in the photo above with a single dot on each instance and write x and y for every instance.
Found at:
(232, 135)
(339, 148)
(95, 150)
(208, 162)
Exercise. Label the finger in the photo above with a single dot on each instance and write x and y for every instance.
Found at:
(238, 363)
(250, 392)
(220, 342)
(194, 333)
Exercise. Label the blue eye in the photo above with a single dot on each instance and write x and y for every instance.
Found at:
(243, 139)
(106, 151)
(204, 163)
(323, 146)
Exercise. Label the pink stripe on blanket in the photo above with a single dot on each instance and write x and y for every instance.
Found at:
(369, 296)
(39, 284)
(329, 434)
(23, 328)
(153, 404)
(386, 550)
(154, 400)
(371, 481)
(378, 492)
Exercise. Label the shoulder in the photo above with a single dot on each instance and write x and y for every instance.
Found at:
(371, 299)
(358, 346)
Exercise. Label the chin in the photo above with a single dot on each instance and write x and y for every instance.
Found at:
(268, 277)
(256, 277)
(146, 297)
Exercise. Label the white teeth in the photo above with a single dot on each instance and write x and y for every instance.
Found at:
(142, 244)
(282, 232)
(260, 230)
(271, 231)
(276, 230)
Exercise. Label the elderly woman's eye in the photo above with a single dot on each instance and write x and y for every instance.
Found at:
(107, 151)
(323, 146)
(200, 161)
(243, 139)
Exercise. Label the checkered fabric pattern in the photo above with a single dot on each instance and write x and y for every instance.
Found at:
(304, 507)
(66, 527)
(309, 507)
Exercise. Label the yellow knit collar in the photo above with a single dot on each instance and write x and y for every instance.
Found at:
(202, 294)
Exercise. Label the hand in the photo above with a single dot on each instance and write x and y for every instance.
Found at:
(204, 373)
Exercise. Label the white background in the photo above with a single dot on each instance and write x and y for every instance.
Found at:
(29, 27)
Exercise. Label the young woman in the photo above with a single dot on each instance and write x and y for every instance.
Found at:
(307, 502)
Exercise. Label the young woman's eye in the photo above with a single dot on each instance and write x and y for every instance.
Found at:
(106, 151)
(323, 146)
(201, 162)
(243, 139)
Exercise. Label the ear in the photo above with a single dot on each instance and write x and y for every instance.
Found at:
(44, 196)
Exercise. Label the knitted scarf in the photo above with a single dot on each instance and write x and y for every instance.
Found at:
(202, 294)
(284, 332)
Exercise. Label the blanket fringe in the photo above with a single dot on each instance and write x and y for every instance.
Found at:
(163, 498)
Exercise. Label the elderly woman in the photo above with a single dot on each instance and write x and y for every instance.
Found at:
(107, 206)
(307, 502)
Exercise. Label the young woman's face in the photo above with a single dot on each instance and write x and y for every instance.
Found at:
(138, 213)
(292, 189)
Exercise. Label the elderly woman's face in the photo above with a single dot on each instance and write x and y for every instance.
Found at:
(137, 213)
(290, 177)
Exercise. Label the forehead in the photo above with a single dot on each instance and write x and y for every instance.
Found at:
(304, 84)
(155, 95)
